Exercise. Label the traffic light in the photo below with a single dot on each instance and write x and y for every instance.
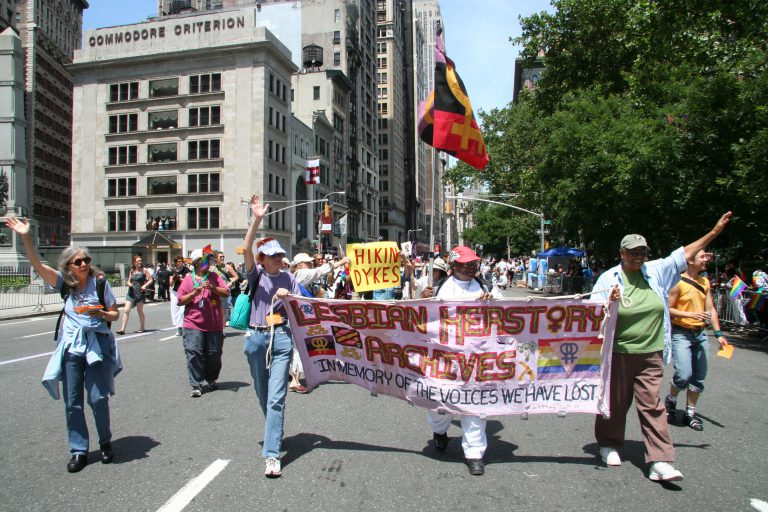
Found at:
(327, 210)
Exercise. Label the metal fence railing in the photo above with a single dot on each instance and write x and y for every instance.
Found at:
(39, 297)
(747, 311)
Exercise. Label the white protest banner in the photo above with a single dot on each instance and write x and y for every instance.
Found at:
(462, 356)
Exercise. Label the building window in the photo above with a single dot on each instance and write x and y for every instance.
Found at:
(337, 58)
(384, 168)
(121, 187)
(205, 83)
(123, 220)
(316, 92)
(164, 88)
(161, 220)
(122, 155)
(203, 218)
(383, 108)
(382, 93)
(165, 152)
(122, 123)
(203, 183)
(163, 120)
(124, 92)
(337, 37)
(161, 185)
(205, 116)
(382, 62)
(203, 149)
(336, 15)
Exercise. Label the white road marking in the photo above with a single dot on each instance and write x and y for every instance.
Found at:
(119, 339)
(760, 505)
(11, 361)
(168, 338)
(33, 335)
(37, 319)
(187, 493)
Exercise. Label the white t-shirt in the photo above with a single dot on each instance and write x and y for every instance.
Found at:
(452, 288)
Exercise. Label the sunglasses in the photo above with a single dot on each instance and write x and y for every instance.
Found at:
(80, 261)
(641, 252)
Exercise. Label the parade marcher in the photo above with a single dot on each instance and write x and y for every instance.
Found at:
(642, 334)
(162, 277)
(691, 308)
(201, 293)
(86, 358)
(268, 345)
(420, 288)
(179, 270)
(233, 283)
(139, 281)
(462, 284)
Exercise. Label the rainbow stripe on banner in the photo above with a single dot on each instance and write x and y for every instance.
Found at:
(561, 358)
(737, 287)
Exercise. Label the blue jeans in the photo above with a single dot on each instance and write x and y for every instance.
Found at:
(271, 383)
(95, 379)
(689, 354)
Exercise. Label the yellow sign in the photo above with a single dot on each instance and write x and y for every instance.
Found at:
(374, 266)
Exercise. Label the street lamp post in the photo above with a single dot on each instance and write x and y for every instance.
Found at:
(539, 215)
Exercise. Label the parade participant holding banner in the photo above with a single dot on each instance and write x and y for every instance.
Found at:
(691, 308)
(642, 333)
(268, 345)
(202, 294)
(463, 284)
(86, 358)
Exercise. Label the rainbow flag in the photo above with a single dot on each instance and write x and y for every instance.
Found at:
(737, 287)
(574, 357)
(756, 300)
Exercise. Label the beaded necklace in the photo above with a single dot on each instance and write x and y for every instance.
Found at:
(198, 283)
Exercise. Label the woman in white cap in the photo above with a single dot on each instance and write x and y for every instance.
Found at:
(268, 345)
(202, 294)
(643, 333)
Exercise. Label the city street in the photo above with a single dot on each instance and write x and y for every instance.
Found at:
(347, 450)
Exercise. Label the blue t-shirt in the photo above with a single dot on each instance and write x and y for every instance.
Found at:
(88, 297)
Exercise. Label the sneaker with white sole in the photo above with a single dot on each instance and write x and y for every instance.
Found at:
(196, 393)
(273, 468)
(664, 472)
(610, 456)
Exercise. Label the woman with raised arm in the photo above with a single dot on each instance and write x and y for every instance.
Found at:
(86, 356)
(268, 345)
(642, 342)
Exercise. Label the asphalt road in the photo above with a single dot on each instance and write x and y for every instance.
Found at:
(346, 450)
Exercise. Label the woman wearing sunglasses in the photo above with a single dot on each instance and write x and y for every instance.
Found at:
(642, 335)
(86, 357)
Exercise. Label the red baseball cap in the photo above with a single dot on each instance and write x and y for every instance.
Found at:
(462, 254)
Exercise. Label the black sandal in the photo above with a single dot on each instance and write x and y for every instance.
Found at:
(694, 422)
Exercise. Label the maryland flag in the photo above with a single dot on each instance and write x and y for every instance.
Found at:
(446, 121)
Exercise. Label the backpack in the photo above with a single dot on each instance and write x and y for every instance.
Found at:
(484, 285)
(241, 311)
(304, 291)
(101, 285)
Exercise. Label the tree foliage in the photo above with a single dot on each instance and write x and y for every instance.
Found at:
(652, 117)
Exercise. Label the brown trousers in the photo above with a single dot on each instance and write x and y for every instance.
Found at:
(640, 375)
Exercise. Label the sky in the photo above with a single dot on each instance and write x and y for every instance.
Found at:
(477, 36)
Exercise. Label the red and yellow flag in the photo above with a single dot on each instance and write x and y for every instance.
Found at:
(446, 120)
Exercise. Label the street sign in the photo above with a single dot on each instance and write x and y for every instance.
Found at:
(538, 231)
(547, 222)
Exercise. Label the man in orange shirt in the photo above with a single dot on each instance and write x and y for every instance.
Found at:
(691, 309)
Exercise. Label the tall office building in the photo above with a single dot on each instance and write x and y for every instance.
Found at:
(7, 14)
(50, 31)
(402, 188)
(177, 121)
(427, 19)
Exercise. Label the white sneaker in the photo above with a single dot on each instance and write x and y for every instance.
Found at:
(664, 472)
(610, 456)
(273, 468)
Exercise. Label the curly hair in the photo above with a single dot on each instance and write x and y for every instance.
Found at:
(65, 258)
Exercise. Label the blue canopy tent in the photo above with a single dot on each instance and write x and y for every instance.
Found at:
(562, 252)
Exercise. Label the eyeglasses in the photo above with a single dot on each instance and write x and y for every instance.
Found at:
(80, 261)
(466, 265)
(641, 252)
